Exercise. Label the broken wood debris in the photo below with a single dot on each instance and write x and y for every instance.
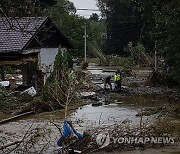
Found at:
(15, 117)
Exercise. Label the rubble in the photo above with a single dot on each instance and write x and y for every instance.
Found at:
(87, 95)
(31, 91)
(4, 83)
(149, 111)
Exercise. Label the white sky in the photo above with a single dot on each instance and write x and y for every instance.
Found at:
(85, 4)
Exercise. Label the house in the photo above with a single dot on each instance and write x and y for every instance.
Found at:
(30, 44)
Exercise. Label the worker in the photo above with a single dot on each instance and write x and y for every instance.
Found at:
(118, 79)
(108, 81)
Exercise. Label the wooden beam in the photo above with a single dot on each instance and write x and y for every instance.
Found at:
(15, 117)
(18, 61)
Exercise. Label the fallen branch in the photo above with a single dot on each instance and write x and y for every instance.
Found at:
(10, 144)
(15, 117)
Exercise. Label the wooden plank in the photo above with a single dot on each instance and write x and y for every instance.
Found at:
(106, 70)
(15, 117)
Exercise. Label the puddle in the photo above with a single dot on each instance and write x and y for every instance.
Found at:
(90, 116)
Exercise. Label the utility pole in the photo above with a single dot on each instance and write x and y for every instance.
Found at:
(156, 55)
(156, 60)
(85, 43)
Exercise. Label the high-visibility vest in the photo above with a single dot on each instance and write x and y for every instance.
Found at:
(117, 77)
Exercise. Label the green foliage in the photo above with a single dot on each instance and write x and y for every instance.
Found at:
(25, 98)
(84, 65)
(63, 15)
(94, 17)
(13, 101)
(7, 70)
(164, 17)
(21, 8)
(123, 24)
(60, 85)
(138, 53)
(123, 62)
(151, 22)
(63, 59)
(46, 3)
(58, 60)
(3, 92)
(96, 34)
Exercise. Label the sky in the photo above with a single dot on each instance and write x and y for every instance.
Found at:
(85, 4)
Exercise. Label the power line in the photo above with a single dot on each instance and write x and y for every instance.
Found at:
(79, 9)
(84, 9)
(85, 42)
(126, 30)
(86, 15)
(129, 27)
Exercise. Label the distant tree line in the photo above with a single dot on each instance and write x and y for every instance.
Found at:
(153, 23)
(63, 14)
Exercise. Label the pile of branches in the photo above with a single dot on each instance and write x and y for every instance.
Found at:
(11, 101)
(42, 139)
(62, 87)
(29, 141)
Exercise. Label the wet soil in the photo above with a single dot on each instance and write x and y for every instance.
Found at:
(114, 108)
(173, 149)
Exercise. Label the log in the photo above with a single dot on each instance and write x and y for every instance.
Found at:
(10, 144)
(107, 70)
(15, 117)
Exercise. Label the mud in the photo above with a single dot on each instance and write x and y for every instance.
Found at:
(114, 108)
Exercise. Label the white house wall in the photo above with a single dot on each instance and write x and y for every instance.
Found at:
(46, 60)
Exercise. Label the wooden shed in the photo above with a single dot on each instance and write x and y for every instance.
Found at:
(31, 45)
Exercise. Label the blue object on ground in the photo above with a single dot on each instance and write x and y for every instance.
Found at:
(67, 132)
(80, 137)
(67, 129)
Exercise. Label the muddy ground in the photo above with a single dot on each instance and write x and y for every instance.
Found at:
(137, 106)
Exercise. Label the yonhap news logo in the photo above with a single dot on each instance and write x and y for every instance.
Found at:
(104, 139)
(144, 140)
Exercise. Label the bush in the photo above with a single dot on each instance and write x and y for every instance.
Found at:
(3, 92)
(124, 62)
(85, 65)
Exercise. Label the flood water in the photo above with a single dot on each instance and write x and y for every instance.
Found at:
(106, 115)
(121, 108)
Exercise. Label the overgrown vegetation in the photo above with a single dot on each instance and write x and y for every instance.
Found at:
(151, 23)
(13, 102)
(124, 62)
(155, 24)
(61, 89)
(35, 138)
(64, 83)
(133, 28)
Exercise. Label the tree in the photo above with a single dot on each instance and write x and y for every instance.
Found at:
(163, 19)
(22, 8)
(94, 17)
(62, 13)
(96, 34)
(123, 24)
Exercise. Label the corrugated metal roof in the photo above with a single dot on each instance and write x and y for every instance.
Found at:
(15, 33)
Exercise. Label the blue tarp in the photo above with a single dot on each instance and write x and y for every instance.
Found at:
(67, 131)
